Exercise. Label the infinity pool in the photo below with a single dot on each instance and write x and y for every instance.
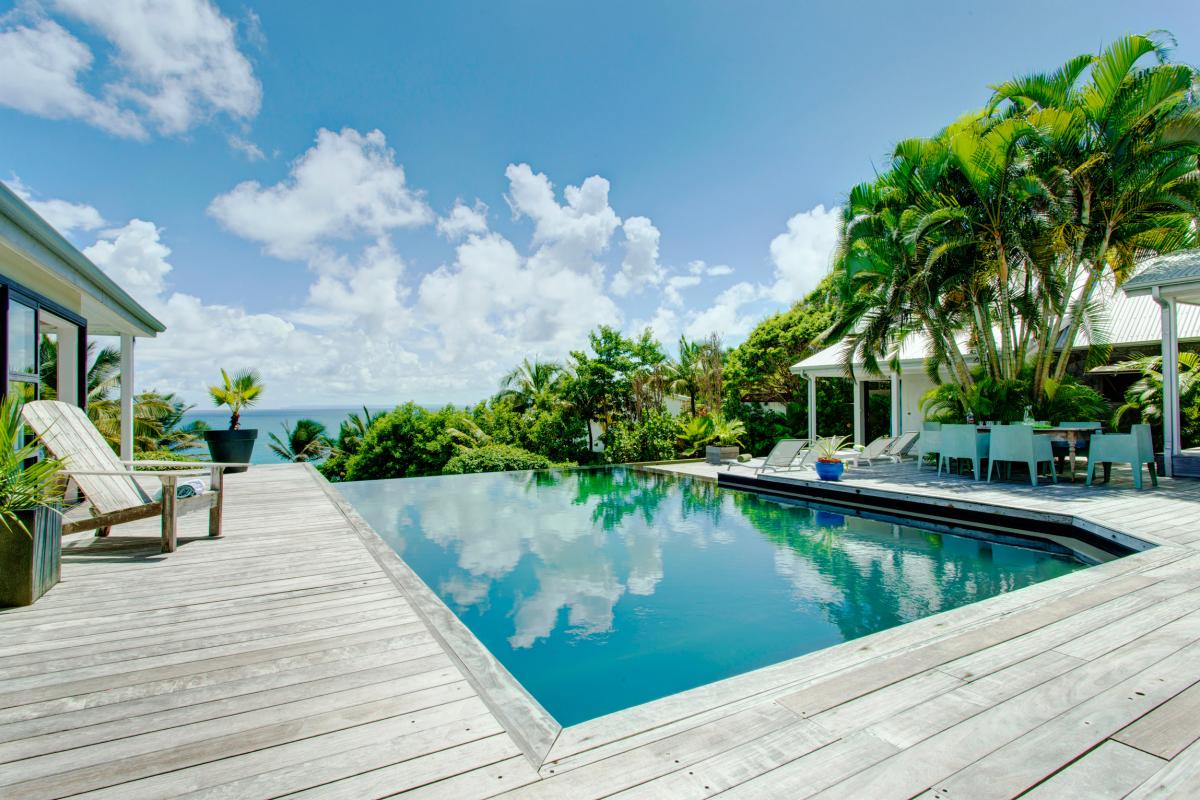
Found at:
(600, 589)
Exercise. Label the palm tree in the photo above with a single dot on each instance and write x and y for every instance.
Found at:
(996, 232)
(154, 417)
(103, 375)
(684, 373)
(305, 441)
(1145, 395)
(239, 392)
(353, 430)
(532, 384)
(1129, 157)
(169, 434)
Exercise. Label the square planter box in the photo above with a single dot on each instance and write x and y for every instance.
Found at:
(29, 567)
(719, 455)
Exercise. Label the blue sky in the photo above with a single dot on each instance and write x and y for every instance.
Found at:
(710, 144)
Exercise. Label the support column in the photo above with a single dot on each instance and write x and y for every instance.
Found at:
(858, 411)
(897, 407)
(1170, 377)
(812, 406)
(126, 397)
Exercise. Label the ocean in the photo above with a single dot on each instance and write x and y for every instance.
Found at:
(269, 420)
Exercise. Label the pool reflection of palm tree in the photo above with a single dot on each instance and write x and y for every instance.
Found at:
(620, 493)
(897, 586)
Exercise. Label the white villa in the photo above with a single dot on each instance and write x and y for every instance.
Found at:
(49, 288)
(1136, 319)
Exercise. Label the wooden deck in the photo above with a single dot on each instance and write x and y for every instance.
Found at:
(288, 659)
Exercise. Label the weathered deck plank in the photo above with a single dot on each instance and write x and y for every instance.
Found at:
(285, 660)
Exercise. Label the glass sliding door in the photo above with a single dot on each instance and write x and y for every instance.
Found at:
(22, 349)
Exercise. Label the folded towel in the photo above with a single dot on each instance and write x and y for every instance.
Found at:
(189, 488)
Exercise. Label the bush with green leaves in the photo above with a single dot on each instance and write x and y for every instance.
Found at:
(650, 439)
(407, 442)
(557, 433)
(1005, 401)
(494, 458)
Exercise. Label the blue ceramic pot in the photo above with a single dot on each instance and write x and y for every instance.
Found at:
(830, 470)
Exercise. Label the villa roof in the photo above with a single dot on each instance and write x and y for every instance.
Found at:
(1132, 321)
(1178, 271)
(830, 360)
(67, 275)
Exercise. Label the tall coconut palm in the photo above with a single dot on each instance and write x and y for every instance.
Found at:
(532, 384)
(304, 441)
(1132, 166)
(996, 232)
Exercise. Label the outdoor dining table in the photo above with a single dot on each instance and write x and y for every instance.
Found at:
(1071, 435)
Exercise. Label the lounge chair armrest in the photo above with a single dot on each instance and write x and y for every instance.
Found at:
(193, 464)
(162, 475)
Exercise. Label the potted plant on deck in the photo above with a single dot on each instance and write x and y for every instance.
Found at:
(237, 393)
(30, 524)
(829, 466)
(726, 438)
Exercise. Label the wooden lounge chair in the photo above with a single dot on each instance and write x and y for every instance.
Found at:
(781, 457)
(113, 496)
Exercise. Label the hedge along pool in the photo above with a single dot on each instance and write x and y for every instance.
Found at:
(600, 589)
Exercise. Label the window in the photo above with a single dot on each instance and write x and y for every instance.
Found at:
(22, 349)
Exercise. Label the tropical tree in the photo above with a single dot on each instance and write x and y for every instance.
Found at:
(1145, 396)
(167, 432)
(685, 371)
(353, 429)
(238, 392)
(304, 441)
(532, 384)
(156, 417)
(993, 236)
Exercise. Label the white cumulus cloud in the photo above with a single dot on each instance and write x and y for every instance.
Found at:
(463, 219)
(66, 217)
(346, 184)
(803, 254)
(640, 267)
(171, 65)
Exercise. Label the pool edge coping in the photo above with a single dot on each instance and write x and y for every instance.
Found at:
(529, 725)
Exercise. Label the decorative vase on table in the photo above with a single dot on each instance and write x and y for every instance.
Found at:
(830, 470)
(232, 446)
(30, 559)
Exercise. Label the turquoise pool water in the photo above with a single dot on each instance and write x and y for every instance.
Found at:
(600, 589)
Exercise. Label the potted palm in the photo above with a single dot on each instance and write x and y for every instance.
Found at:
(236, 393)
(726, 438)
(30, 525)
(829, 466)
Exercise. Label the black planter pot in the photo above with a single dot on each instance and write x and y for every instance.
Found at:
(29, 565)
(231, 446)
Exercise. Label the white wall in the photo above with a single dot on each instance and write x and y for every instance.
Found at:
(913, 386)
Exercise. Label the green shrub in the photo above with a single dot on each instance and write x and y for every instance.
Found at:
(651, 439)
(407, 442)
(494, 458)
(557, 434)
